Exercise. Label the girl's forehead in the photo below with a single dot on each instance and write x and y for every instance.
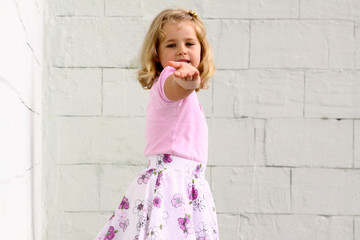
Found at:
(177, 24)
(172, 26)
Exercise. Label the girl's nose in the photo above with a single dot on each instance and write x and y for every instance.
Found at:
(182, 50)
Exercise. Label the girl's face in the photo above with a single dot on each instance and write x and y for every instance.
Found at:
(180, 44)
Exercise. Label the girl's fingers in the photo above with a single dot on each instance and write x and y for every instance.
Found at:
(196, 74)
(174, 64)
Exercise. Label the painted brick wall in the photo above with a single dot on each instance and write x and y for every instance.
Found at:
(283, 112)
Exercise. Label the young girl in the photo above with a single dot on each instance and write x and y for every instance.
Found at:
(171, 199)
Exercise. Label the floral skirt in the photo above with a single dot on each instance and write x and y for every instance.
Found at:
(170, 200)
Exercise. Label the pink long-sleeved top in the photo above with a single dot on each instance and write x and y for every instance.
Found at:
(175, 127)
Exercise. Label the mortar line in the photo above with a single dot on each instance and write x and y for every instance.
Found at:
(354, 230)
(104, 10)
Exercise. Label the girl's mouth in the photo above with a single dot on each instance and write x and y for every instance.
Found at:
(183, 60)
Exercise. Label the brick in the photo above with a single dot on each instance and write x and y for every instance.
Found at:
(229, 226)
(152, 8)
(114, 181)
(357, 228)
(252, 9)
(309, 142)
(249, 189)
(341, 45)
(258, 93)
(148, 9)
(259, 141)
(301, 44)
(349, 9)
(99, 140)
(357, 143)
(78, 188)
(233, 33)
(94, 42)
(332, 94)
(296, 227)
(75, 91)
(124, 8)
(325, 191)
(75, 226)
(123, 94)
(231, 142)
(76, 7)
(206, 98)
(213, 34)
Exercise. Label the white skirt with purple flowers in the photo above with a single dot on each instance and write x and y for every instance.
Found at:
(170, 200)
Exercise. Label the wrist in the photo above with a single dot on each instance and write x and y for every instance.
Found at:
(187, 85)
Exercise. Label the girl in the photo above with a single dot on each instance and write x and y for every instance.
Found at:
(171, 199)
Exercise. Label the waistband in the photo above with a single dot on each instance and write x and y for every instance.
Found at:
(162, 161)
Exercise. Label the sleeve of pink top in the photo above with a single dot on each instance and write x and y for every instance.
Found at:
(160, 87)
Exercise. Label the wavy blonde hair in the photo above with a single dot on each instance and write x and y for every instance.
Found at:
(151, 67)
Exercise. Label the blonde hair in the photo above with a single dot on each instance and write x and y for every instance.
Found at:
(151, 67)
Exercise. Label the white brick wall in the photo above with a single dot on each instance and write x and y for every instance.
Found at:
(283, 112)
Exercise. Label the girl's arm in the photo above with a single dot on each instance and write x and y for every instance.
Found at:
(182, 82)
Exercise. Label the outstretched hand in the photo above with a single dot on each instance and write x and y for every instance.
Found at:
(185, 71)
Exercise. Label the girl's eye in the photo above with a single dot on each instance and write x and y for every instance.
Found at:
(190, 44)
(170, 45)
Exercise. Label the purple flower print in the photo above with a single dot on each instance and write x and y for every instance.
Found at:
(153, 233)
(177, 200)
(197, 171)
(198, 204)
(141, 223)
(149, 172)
(143, 178)
(158, 180)
(124, 224)
(157, 202)
(124, 203)
(159, 162)
(113, 215)
(110, 234)
(165, 216)
(185, 224)
(206, 237)
(139, 207)
(137, 237)
(167, 158)
(202, 232)
(193, 193)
